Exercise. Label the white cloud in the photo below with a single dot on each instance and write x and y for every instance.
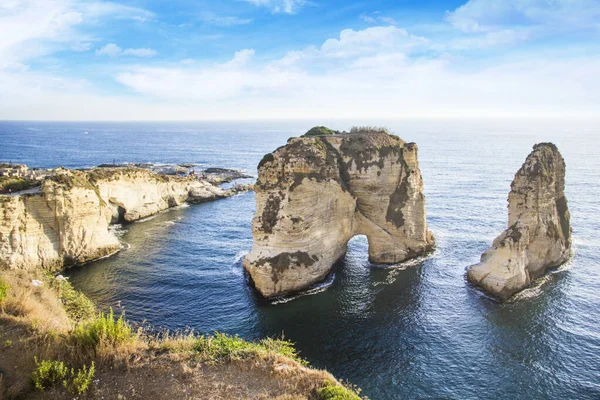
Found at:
(367, 18)
(494, 15)
(375, 17)
(146, 52)
(372, 73)
(371, 40)
(112, 50)
(382, 71)
(33, 28)
(225, 21)
(280, 6)
(99, 9)
(81, 46)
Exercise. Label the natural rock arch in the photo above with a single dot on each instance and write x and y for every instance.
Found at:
(316, 193)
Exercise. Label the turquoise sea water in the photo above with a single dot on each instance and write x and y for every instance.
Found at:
(414, 331)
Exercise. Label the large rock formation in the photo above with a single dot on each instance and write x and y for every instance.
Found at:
(314, 194)
(67, 221)
(539, 233)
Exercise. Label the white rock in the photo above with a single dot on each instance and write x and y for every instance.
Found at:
(316, 193)
(539, 232)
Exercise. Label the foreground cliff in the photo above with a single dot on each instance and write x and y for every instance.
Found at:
(55, 346)
(317, 192)
(539, 233)
(67, 221)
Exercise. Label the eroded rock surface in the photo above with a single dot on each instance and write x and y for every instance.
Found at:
(314, 194)
(539, 233)
(67, 221)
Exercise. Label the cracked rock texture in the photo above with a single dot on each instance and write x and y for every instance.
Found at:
(67, 222)
(539, 233)
(316, 193)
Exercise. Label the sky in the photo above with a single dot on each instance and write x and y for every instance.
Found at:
(284, 59)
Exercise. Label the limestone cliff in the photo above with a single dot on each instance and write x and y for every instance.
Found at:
(539, 233)
(67, 221)
(317, 192)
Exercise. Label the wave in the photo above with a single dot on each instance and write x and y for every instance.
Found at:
(314, 289)
(150, 218)
(536, 287)
(239, 255)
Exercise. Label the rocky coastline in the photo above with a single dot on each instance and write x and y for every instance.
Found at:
(65, 221)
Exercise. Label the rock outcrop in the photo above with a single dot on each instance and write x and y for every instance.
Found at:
(317, 192)
(67, 222)
(539, 233)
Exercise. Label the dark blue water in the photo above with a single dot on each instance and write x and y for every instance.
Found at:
(418, 331)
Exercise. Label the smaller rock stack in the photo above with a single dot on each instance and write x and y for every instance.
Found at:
(539, 232)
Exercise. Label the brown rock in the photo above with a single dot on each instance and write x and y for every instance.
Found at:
(539, 233)
(316, 193)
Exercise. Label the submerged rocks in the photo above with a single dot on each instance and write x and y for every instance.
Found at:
(539, 233)
(317, 192)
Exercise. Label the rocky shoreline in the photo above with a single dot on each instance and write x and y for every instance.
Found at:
(66, 222)
(312, 196)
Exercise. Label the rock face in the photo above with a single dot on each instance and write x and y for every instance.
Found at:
(539, 233)
(314, 194)
(67, 222)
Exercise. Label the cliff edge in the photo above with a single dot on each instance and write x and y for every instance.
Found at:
(317, 192)
(66, 222)
(539, 233)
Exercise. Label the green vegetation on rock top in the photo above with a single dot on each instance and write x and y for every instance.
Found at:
(319, 131)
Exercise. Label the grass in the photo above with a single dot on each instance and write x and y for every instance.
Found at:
(220, 347)
(368, 129)
(103, 331)
(15, 184)
(77, 305)
(336, 392)
(51, 373)
(3, 289)
(57, 324)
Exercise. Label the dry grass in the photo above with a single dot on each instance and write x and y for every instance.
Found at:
(368, 129)
(36, 307)
(136, 364)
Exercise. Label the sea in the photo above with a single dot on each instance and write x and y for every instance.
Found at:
(417, 330)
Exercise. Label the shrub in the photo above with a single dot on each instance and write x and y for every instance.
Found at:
(3, 289)
(77, 305)
(224, 347)
(320, 130)
(103, 330)
(80, 382)
(15, 184)
(368, 129)
(51, 373)
(331, 392)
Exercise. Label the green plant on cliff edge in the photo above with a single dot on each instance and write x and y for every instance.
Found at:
(331, 392)
(50, 373)
(320, 130)
(104, 330)
(222, 347)
(3, 289)
(77, 305)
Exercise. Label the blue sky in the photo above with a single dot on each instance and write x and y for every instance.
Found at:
(273, 59)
